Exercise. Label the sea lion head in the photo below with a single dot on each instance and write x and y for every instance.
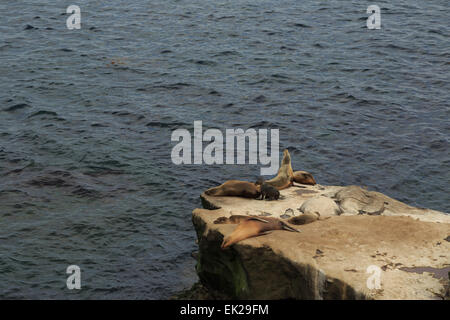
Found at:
(260, 181)
(286, 157)
(304, 177)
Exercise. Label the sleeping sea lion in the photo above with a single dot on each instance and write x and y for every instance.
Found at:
(234, 219)
(253, 227)
(285, 176)
(304, 177)
(306, 218)
(235, 188)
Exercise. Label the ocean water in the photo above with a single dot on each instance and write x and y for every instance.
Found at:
(86, 117)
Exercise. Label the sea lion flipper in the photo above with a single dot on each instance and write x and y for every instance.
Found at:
(259, 219)
(288, 228)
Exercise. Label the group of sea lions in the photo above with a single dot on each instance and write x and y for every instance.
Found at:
(253, 226)
(284, 179)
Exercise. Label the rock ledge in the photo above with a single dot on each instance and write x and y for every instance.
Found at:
(329, 259)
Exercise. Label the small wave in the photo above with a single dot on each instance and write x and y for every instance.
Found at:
(260, 99)
(43, 113)
(45, 181)
(170, 125)
(226, 53)
(299, 25)
(16, 107)
(30, 27)
(84, 192)
(203, 62)
(262, 125)
(173, 86)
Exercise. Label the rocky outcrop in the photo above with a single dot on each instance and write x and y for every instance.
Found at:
(358, 234)
(324, 206)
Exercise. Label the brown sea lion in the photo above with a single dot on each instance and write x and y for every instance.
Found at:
(285, 176)
(304, 218)
(235, 188)
(253, 227)
(304, 177)
(234, 219)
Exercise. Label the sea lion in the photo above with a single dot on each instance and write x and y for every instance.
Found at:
(237, 218)
(235, 188)
(306, 218)
(268, 192)
(285, 176)
(304, 177)
(234, 219)
(253, 227)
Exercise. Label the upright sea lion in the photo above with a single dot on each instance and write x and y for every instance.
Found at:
(268, 192)
(304, 177)
(253, 227)
(285, 176)
(235, 188)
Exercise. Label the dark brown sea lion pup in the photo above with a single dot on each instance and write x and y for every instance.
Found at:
(235, 188)
(285, 176)
(254, 226)
(304, 177)
(268, 192)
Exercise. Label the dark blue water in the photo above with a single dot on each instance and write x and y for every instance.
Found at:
(86, 118)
